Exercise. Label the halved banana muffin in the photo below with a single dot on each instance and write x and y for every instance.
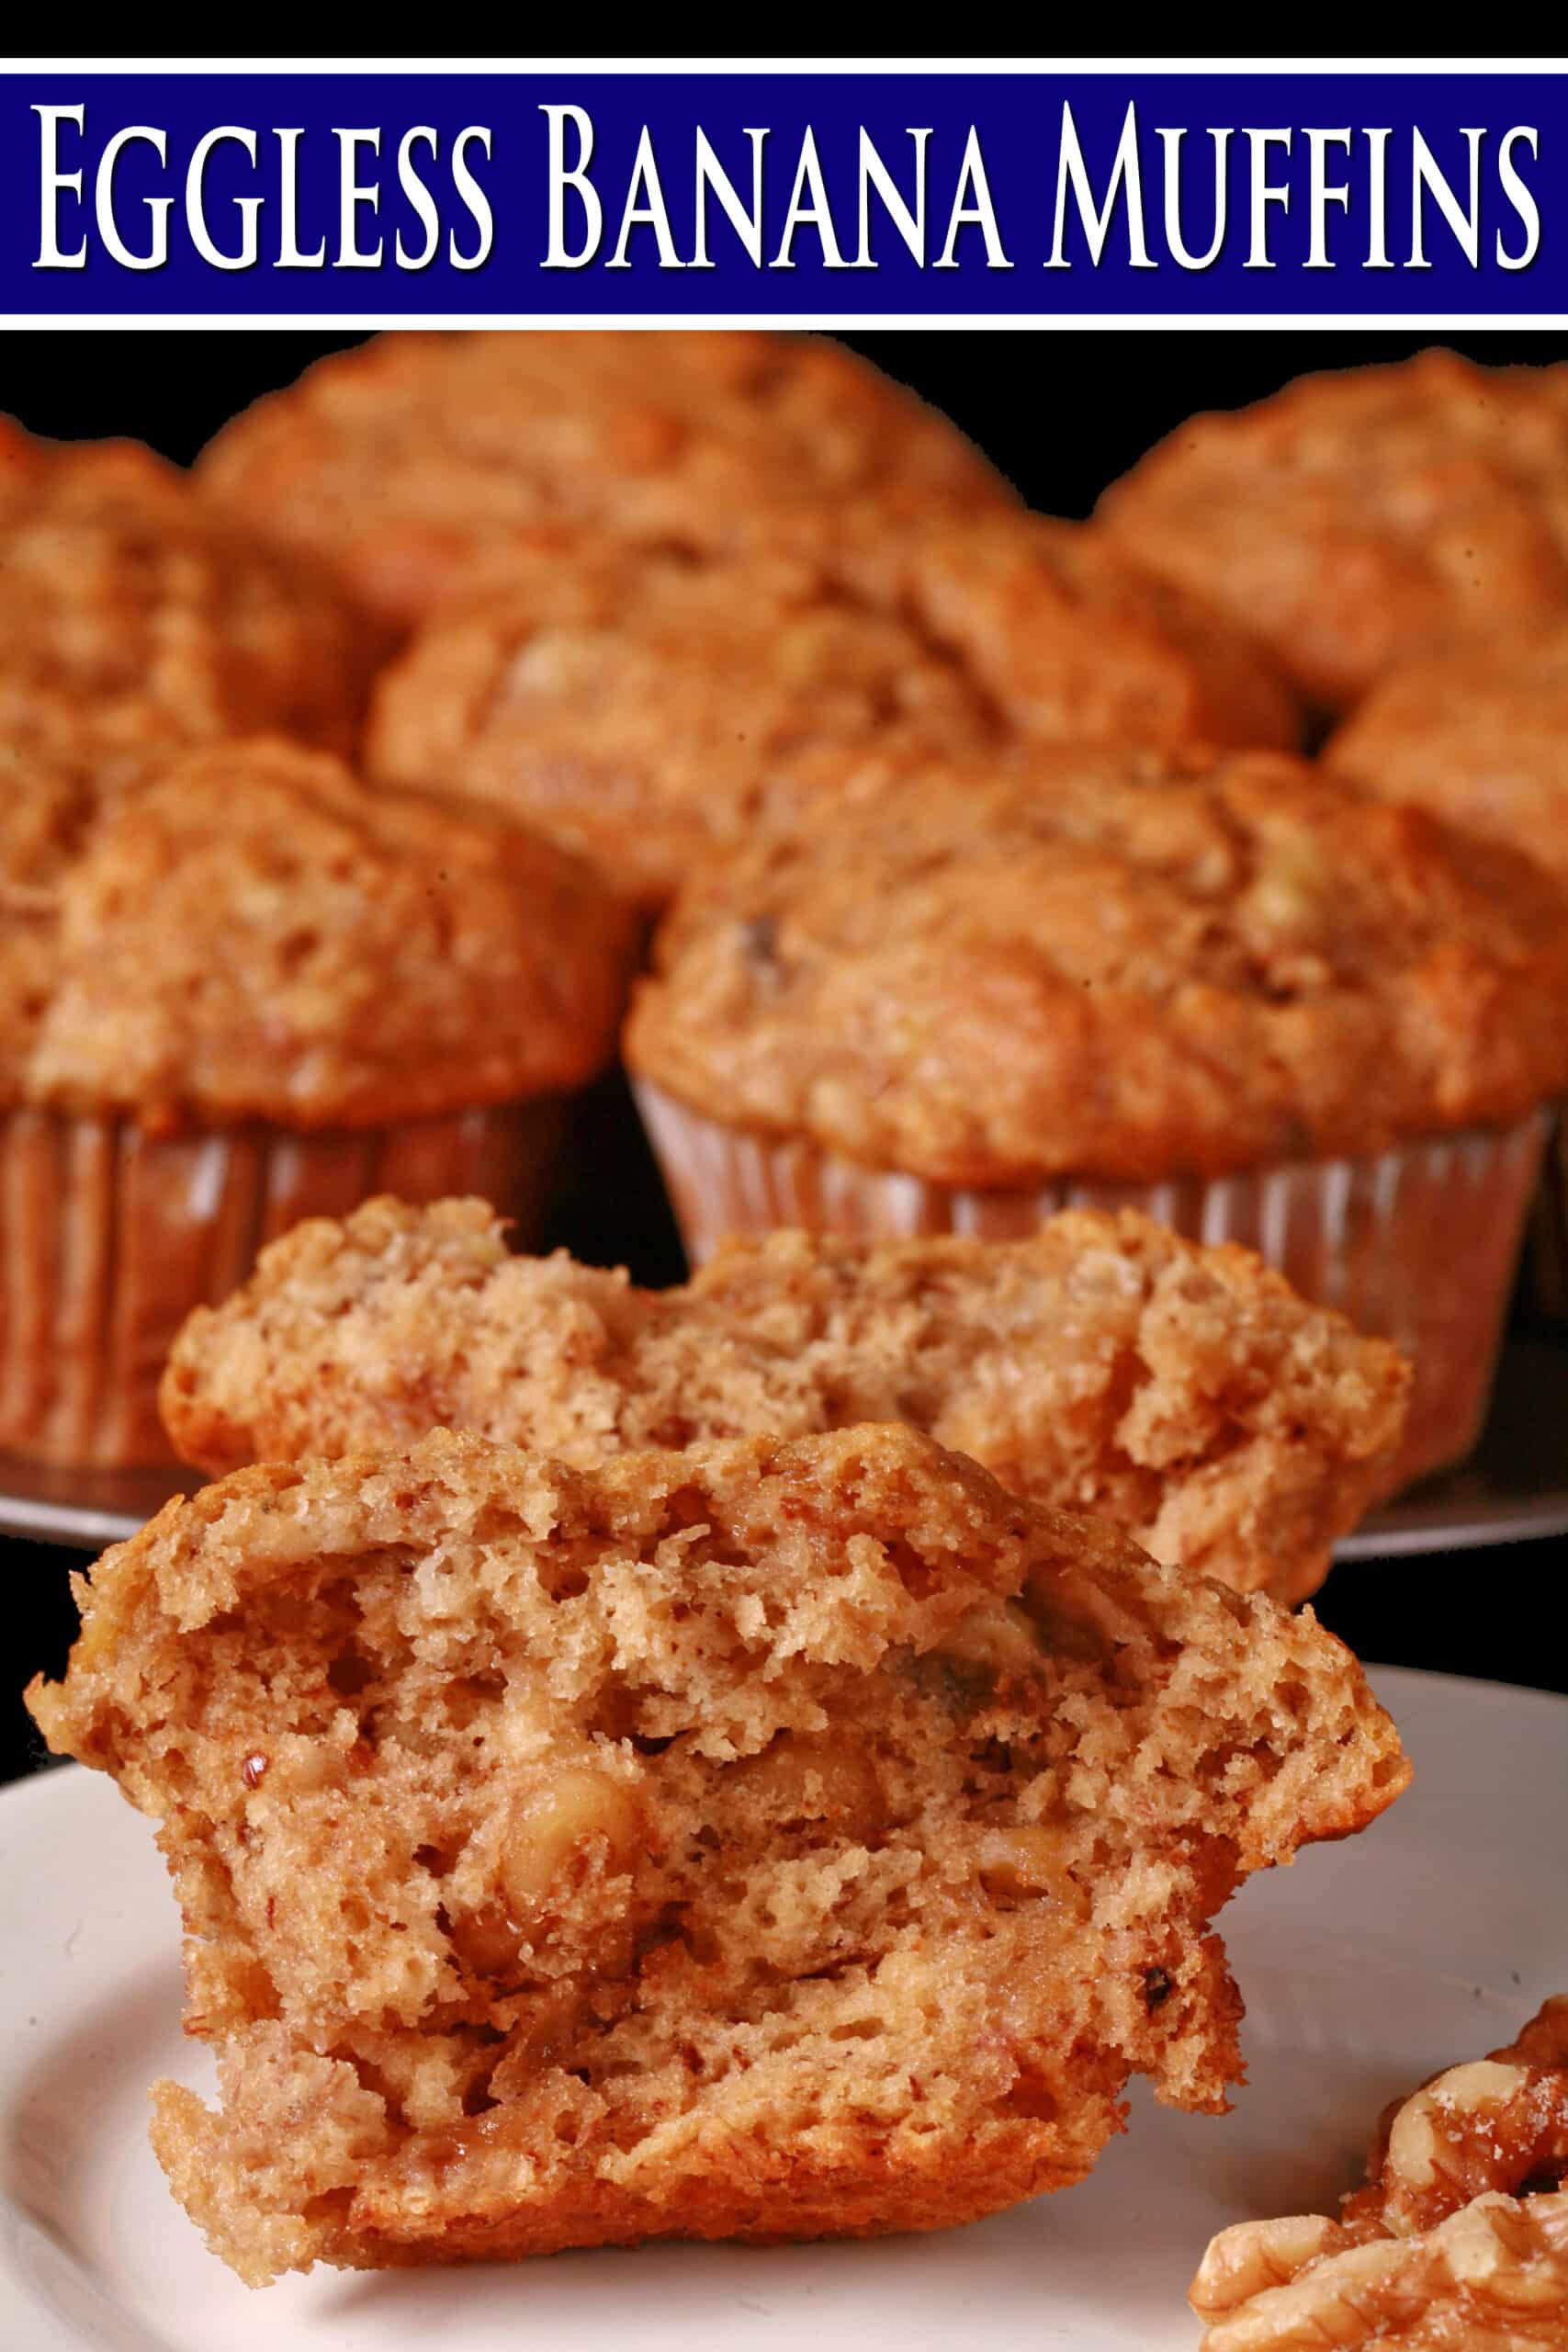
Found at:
(1104, 1364)
(759, 1841)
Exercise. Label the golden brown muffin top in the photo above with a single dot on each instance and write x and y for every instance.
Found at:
(132, 618)
(1187, 1395)
(1479, 737)
(648, 706)
(248, 933)
(1109, 964)
(1359, 518)
(647, 709)
(1072, 638)
(407, 459)
(758, 1839)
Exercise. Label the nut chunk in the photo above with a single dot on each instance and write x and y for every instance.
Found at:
(1446, 2248)
(766, 1840)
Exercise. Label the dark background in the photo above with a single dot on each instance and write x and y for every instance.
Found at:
(1062, 413)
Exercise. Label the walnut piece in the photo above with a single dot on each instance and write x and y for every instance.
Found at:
(1458, 2242)
(1492, 2278)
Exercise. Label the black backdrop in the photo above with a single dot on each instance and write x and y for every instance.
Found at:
(1062, 413)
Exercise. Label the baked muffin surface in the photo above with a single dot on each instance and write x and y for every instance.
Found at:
(250, 934)
(1072, 638)
(1360, 518)
(648, 709)
(407, 459)
(1479, 738)
(757, 1841)
(133, 618)
(1105, 963)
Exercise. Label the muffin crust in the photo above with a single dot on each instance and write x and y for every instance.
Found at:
(250, 934)
(1479, 738)
(648, 706)
(1074, 639)
(133, 618)
(408, 460)
(1358, 519)
(649, 710)
(1104, 963)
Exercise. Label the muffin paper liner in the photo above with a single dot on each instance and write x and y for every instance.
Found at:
(1418, 1244)
(109, 1237)
(1548, 1257)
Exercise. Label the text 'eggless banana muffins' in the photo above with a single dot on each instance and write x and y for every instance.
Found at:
(243, 991)
(759, 1841)
(1219, 988)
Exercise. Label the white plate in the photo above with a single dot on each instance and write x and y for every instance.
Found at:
(1366, 1968)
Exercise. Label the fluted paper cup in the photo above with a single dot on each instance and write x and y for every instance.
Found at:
(108, 1238)
(1418, 1245)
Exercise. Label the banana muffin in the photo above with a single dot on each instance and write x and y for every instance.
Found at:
(1184, 1395)
(1072, 638)
(133, 618)
(1479, 737)
(757, 1841)
(245, 991)
(402, 462)
(1364, 517)
(1457, 2243)
(1219, 988)
(649, 707)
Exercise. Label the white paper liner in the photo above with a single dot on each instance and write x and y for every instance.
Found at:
(1418, 1244)
(108, 1238)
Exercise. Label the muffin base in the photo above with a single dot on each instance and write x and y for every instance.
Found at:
(1417, 1245)
(109, 1237)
